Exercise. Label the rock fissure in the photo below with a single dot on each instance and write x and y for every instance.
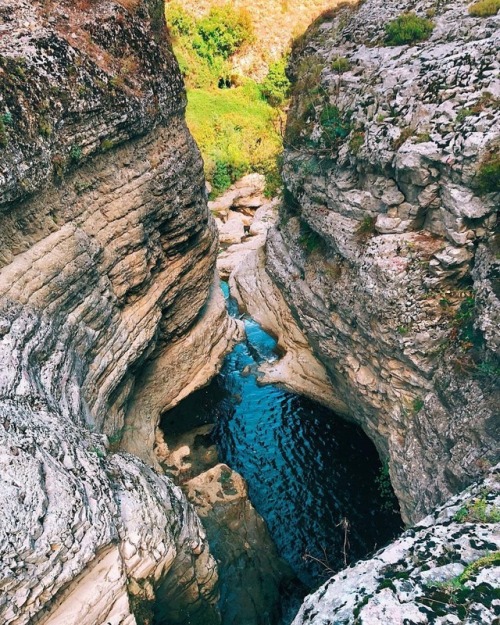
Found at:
(377, 274)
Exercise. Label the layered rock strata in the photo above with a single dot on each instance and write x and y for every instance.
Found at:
(242, 261)
(387, 245)
(107, 259)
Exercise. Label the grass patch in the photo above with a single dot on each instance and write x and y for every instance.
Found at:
(407, 29)
(340, 64)
(235, 130)
(366, 229)
(233, 119)
(484, 8)
(488, 175)
(454, 597)
(478, 511)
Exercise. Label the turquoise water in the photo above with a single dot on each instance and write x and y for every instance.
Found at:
(307, 470)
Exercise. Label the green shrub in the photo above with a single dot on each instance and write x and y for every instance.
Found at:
(106, 145)
(336, 124)
(221, 177)
(180, 22)
(75, 154)
(310, 240)
(276, 86)
(488, 175)
(484, 8)
(44, 127)
(4, 138)
(366, 229)
(223, 31)
(463, 321)
(235, 128)
(340, 64)
(406, 29)
(478, 511)
(418, 404)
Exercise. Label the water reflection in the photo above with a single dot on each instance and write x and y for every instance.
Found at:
(308, 472)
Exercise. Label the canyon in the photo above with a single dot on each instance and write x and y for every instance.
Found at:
(377, 272)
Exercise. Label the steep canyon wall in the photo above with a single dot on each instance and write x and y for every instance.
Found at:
(107, 258)
(387, 247)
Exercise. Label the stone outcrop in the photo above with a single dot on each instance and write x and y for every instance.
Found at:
(107, 260)
(386, 249)
(444, 570)
(252, 576)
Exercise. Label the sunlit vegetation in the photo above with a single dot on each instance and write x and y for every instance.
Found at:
(235, 120)
(484, 8)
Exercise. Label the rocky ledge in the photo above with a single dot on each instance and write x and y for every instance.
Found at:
(442, 571)
(387, 250)
(107, 260)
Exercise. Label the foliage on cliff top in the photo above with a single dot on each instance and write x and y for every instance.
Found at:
(484, 8)
(488, 174)
(203, 46)
(233, 119)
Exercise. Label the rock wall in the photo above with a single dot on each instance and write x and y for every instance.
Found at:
(107, 259)
(387, 245)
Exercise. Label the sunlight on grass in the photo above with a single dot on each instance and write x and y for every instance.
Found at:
(236, 127)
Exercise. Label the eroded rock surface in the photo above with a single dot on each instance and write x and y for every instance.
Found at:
(444, 570)
(242, 262)
(107, 259)
(252, 576)
(386, 250)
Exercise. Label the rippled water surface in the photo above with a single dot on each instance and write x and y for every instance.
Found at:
(307, 470)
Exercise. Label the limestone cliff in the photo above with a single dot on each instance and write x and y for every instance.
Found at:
(386, 250)
(107, 258)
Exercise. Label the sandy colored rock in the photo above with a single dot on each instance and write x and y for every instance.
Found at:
(107, 259)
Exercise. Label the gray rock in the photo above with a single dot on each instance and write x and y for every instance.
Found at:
(397, 288)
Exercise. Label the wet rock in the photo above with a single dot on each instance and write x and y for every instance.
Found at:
(250, 570)
(252, 574)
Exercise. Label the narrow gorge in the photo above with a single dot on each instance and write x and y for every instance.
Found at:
(176, 450)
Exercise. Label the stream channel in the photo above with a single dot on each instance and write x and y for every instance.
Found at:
(307, 470)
